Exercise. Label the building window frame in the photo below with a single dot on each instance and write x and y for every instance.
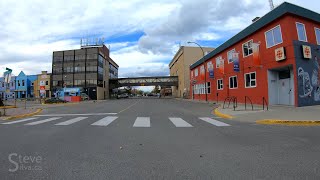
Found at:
(208, 88)
(273, 36)
(219, 84)
(250, 80)
(317, 38)
(305, 32)
(248, 48)
(229, 55)
(233, 85)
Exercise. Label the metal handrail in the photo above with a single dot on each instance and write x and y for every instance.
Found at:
(245, 102)
(235, 103)
(265, 101)
(224, 102)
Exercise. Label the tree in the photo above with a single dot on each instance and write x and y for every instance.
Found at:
(156, 89)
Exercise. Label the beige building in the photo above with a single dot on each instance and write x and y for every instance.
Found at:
(180, 66)
(41, 87)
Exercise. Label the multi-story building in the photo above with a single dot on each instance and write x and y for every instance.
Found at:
(88, 68)
(276, 58)
(7, 90)
(42, 85)
(24, 85)
(180, 66)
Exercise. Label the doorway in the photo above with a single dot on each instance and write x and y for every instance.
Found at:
(281, 86)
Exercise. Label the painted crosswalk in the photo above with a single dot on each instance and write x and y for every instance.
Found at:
(144, 122)
(71, 121)
(179, 122)
(105, 121)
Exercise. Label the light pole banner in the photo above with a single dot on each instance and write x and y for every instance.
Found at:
(221, 66)
(256, 54)
(210, 69)
(236, 62)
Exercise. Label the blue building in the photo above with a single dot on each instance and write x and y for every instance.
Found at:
(7, 92)
(24, 85)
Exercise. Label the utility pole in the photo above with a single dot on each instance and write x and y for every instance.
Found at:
(271, 5)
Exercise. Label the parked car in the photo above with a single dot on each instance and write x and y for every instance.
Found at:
(124, 95)
(54, 100)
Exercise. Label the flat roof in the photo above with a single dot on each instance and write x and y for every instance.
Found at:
(284, 8)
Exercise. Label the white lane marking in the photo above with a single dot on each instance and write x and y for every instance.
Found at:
(178, 122)
(42, 121)
(213, 121)
(92, 114)
(142, 122)
(105, 121)
(23, 120)
(71, 121)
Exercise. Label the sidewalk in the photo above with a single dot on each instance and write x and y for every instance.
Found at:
(18, 112)
(275, 114)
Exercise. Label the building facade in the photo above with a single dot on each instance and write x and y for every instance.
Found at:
(180, 66)
(7, 90)
(24, 85)
(42, 85)
(275, 59)
(88, 68)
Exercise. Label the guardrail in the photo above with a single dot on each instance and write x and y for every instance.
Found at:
(245, 102)
(264, 101)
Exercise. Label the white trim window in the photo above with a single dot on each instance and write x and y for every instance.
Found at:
(220, 84)
(233, 82)
(301, 30)
(218, 61)
(317, 31)
(247, 48)
(208, 88)
(202, 70)
(273, 36)
(196, 72)
(250, 80)
(230, 54)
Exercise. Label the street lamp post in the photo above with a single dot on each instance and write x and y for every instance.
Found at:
(205, 73)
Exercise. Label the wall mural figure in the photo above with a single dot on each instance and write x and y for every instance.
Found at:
(304, 79)
(316, 80)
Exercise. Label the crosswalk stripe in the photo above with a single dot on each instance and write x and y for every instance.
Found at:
(42, 121)
(214, 122)
(142, 122)
(71, 121)
(178, 122)
(23, 120)
(105, 121)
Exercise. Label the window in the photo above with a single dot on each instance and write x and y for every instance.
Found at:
(229, 54)
(247, 48)
(18, 82)
(318, 35)
(233, 82)
(47, 83)
(251, 80)
(220, 84)
(218, 61)
(208, 87)
(22, 82)
(196, 72)
(202, 70)
(273, 37)
(302, 35)
(209, 65)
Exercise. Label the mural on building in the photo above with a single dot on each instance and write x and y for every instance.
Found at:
(308, 71)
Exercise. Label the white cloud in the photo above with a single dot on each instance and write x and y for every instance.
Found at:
(31, 30)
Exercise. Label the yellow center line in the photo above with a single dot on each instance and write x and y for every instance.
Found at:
(128, 107)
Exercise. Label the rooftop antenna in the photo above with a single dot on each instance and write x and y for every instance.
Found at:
(271, 5)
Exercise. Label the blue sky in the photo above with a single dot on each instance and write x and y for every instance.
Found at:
(143, 35)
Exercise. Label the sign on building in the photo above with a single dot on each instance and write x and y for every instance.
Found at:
(280, 54)
(306, 52)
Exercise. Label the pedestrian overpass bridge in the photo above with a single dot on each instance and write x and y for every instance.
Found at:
(144, 81)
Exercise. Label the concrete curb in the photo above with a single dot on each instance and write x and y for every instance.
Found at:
(289, 122)
(220, 114)
(8, 107)
(24, 115)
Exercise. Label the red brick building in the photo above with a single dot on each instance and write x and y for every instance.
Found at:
(277, 58)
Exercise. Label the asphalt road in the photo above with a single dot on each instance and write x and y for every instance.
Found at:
(153, 139)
